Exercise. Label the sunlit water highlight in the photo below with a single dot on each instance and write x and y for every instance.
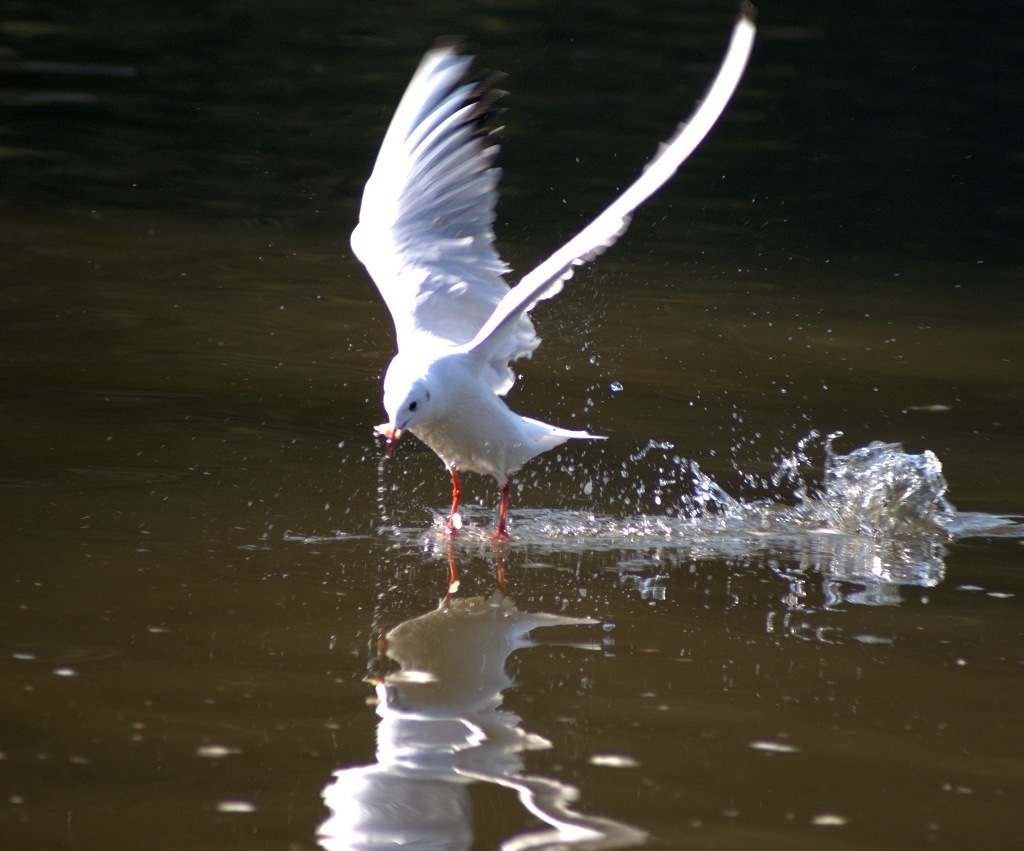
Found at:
(877, 517)
(878, 491)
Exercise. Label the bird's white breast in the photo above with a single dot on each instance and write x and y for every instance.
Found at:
(470, 428)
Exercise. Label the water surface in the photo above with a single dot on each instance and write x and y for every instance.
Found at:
(215, 596)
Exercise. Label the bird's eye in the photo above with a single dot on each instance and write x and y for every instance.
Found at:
(413, 405)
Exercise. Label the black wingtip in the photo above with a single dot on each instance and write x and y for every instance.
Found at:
(748, 11)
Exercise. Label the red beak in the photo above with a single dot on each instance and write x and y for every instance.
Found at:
(390, 434)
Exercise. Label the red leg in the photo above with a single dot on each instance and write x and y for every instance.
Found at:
(451, 528)
(499, 570)
(453, 570)
(502, 533)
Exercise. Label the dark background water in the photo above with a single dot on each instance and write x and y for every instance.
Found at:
(192, 500)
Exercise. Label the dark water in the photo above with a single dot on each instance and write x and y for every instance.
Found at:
(210, 580)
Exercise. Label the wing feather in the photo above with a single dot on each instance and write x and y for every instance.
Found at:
(491, 342)
(426, 223)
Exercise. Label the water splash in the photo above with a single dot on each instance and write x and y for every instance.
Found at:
(877, 493)
(877, 518)
(880, 491)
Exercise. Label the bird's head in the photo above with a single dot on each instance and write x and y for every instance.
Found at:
(407, 399)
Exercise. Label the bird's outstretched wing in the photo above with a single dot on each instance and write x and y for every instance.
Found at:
(426, 224)
(491, 342)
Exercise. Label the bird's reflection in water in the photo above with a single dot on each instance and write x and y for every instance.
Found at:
(442, 728)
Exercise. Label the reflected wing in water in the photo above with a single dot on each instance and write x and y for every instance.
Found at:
(442, 728)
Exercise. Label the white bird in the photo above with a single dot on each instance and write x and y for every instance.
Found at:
(425, 235)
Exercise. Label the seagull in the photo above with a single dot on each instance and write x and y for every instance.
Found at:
(426, 237)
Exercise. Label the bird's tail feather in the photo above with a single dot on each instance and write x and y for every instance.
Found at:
(550, 436)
